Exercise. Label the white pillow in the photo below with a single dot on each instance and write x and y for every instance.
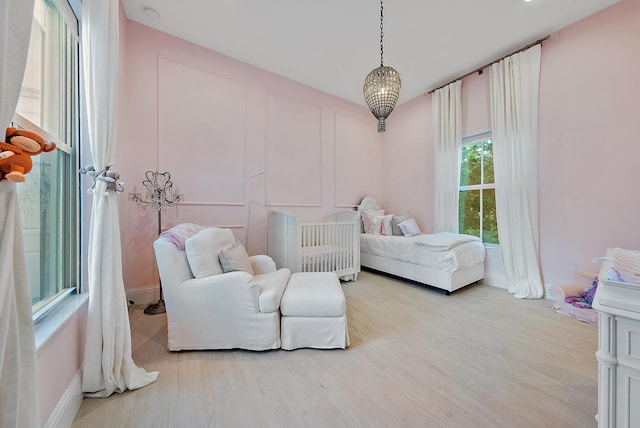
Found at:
(367, 218)
(235, 258)
(397, 219)
(409, 227)
(381, 225)
(203, 248)
(387, 225)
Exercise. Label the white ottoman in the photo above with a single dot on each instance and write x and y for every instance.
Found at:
(313, 312)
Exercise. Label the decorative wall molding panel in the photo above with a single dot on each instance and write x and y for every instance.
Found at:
(293, 153)
(201, 128)
(357, 160)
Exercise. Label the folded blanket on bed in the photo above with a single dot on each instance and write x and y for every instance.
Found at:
(444, 241)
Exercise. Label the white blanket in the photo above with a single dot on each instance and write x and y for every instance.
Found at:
(444, 241)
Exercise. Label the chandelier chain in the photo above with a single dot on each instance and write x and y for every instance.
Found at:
(381, 35)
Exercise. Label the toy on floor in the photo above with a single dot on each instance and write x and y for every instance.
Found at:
(16, 152)
(586, 300)
(574, 300)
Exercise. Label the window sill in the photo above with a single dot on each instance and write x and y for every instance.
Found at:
(47, 326)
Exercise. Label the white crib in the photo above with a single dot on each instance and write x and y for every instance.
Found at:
(325, 246)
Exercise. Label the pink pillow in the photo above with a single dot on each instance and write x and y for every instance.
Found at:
(410, 227)
(386, 227)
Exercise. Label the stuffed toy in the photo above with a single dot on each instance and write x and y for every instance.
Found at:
(107, 176)
(16, 152)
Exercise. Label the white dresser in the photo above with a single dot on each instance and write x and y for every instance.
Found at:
(618, 305)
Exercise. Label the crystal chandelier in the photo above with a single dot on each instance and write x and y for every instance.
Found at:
(382, 86)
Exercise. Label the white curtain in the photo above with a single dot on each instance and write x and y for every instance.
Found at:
(447, 121)
(18, 387)
(514, 85)
(108, 364)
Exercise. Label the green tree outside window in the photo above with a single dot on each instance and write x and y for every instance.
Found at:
(477, 196)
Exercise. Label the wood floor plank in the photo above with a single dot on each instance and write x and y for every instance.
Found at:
(476, 358)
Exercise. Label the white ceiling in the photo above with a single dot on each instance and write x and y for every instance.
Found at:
(332, 45)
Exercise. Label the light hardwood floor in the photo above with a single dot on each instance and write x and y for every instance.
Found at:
(477, 358)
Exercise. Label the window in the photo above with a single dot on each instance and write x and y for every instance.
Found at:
(48, 105)
(477, 203)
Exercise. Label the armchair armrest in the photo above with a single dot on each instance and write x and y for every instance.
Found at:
(233, 291)
(561, 292)
(262, 264)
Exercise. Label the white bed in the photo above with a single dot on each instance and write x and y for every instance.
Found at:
(411, 257)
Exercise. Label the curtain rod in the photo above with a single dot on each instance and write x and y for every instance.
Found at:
(479, 69)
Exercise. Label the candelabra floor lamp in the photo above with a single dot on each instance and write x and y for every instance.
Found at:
(159, 195)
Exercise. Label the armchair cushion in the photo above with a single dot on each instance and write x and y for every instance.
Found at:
(234, 259)
(203, 248)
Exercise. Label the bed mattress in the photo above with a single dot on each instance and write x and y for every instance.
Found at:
(405, 249)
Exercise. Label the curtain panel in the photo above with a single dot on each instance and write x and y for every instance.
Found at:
(447, 123)
(514, 84)
(18, 385)
(108, 364)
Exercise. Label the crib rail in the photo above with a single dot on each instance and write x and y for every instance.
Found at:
(327, 246)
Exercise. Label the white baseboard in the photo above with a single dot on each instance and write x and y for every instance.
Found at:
(144, 295)
(495, 280)
(69, 404)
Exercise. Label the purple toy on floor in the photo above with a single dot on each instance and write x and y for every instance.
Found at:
(587, 299)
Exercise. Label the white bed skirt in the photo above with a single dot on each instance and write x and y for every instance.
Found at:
(448, 281)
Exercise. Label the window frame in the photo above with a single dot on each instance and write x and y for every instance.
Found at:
(70, 197)
(469, 139)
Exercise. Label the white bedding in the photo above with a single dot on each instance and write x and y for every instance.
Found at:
(406, 249)
(444, 241)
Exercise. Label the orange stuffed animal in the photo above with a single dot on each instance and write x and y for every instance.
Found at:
(16, 152)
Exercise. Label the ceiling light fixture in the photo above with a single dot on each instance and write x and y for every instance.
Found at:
(382, 86)
(150, 12)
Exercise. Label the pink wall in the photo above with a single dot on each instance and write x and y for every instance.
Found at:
(588, 139)
(589, 146)
(407, 173)
(212, 121)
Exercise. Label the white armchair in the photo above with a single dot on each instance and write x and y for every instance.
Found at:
(221, 311)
